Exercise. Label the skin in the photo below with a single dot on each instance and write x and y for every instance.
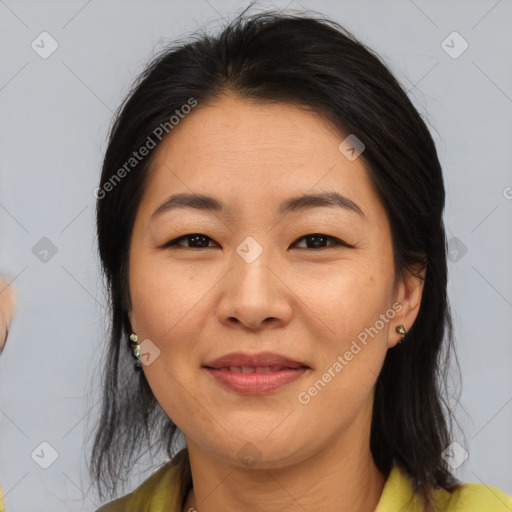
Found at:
(8, 299)
(196, 304)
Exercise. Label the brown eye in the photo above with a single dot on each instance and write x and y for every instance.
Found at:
(196, 241)
(319, 241)
(313, 241)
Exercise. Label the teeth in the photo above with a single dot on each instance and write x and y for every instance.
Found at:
(257, 369)
(263, 369)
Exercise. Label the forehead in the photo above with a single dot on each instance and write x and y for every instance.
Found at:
(259, 132)
(256, 152)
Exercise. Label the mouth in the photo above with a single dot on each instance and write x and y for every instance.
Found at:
(262, 362)
(255, 369)
(260, 380)
(255, 374)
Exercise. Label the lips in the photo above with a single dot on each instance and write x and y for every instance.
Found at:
(255, 374)
(254, 369)
(262, 362)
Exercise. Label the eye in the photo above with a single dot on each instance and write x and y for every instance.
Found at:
(317, 240)
(199, 241)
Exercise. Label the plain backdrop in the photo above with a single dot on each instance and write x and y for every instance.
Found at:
(55, 114)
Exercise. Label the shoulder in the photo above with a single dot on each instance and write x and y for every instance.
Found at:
(398, 494)
(2, 506)
(163, 490)
(474, 497)
(145, 489)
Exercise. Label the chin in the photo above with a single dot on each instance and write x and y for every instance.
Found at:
(256, 450)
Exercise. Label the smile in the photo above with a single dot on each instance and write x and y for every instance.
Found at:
(251, 380)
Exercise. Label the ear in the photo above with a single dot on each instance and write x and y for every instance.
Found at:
(408, 296)
(127, 305)
(133, 321)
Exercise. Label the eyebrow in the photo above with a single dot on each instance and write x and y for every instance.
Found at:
(294, 204)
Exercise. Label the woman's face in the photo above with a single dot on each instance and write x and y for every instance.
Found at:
(255, 281)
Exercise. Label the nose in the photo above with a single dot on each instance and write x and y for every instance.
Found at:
(255, 295)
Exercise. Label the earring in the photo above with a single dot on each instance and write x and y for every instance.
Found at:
(135, 347)
(400, 329)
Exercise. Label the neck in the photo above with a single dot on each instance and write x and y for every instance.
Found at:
(340, 477)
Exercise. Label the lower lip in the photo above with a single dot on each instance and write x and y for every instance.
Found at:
(256, 383)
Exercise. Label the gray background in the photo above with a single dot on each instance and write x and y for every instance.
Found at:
(55, 113)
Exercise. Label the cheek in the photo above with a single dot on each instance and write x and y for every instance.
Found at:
(350, 315)
(165, 309)
(355, 305)
(165, 301)
(348, 297)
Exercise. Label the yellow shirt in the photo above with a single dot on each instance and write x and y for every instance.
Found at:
(2, 506)
(167, 488)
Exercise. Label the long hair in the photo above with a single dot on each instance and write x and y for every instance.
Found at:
(314, 62)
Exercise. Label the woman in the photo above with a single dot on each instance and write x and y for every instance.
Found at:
(270, 227)
(7, 306)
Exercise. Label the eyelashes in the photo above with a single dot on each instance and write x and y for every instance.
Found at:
(192, 236)
(203, 241)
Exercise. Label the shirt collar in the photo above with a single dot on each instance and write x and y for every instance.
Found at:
(397, 494)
